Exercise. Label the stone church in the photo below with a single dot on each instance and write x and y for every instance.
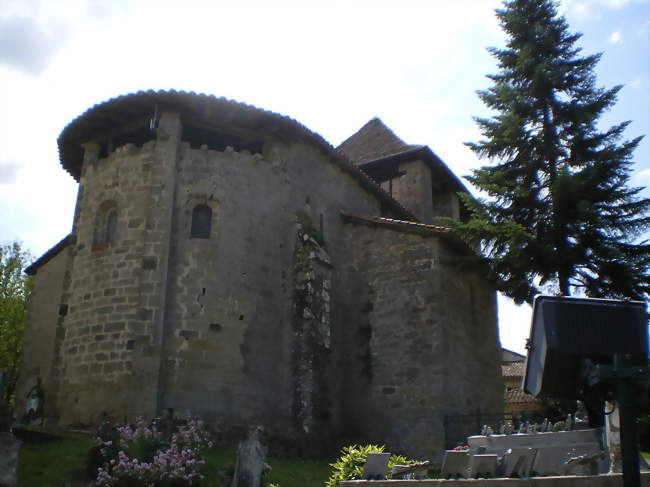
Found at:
(226, 260)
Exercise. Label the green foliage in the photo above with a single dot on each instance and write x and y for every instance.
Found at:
(15, 288)
(350, 464)
(558, 213)
(53, 463)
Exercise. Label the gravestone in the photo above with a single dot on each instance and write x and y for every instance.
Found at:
(483, 466)
(518, 462)
(376, 466)
(455, 464)
(9, 450)
(249, 465)
(576, 452)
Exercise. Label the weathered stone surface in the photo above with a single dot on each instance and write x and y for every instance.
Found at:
(611, 480)
(344, 329)
(249, 465)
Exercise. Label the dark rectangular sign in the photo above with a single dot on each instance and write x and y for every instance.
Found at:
(567, 330)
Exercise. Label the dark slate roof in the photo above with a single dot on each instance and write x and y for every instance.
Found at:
(373, 141)
(401, 225)
(49, 255)
(375, 146)
(211, 112)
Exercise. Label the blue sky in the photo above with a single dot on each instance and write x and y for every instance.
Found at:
(331, 65)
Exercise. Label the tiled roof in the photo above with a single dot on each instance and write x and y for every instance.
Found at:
(210, 110)
(517, 396)
(49, 255)
(513, 369)
(402, 225)
(373, 141)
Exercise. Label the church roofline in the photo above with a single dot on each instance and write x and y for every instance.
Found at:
(49, 255)
(428, 156)
(221, 112)
(401, 225)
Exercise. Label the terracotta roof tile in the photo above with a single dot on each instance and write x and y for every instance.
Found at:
(517, 396)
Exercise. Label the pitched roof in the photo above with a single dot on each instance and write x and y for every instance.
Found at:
(373, 141)
(49, 255)
(510, 356)
(401, 225)
(517, 396)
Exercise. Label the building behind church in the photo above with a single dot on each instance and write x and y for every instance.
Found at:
(226, 260)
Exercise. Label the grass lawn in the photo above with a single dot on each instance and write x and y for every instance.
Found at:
(646, 454)
(50, 464)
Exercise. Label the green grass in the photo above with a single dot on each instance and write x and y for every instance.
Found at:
(646, 454)
(50, 464)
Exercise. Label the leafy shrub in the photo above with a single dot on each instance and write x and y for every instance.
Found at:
(140, 455)
(350, 464)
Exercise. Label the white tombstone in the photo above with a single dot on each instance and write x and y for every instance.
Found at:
(518, 462)
(483, 466)
(455, 464)
(376, 466)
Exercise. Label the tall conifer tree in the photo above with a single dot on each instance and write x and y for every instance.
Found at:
(559, 212)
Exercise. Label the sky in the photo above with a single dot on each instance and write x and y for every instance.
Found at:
(332, 65)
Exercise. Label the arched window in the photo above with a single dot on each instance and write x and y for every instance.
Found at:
(111, 226)
(106, 224)
(201, 221)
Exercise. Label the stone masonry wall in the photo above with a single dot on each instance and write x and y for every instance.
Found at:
(39, 345)
(413, 189)
(421, 341)
(230, 337)
(109, 359)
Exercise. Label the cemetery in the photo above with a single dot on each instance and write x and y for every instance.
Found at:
(564, 453)
(349, 323)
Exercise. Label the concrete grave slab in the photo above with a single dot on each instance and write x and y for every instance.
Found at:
(455, 464)
(484, 466)
(518, 462)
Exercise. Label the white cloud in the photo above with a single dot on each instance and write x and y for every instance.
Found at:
(514, 324)
(615, 38)
(643, 175)
(8, 172)
(593, 9)
(27, 44)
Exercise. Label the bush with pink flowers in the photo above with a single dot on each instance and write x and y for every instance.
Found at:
(141, 455)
